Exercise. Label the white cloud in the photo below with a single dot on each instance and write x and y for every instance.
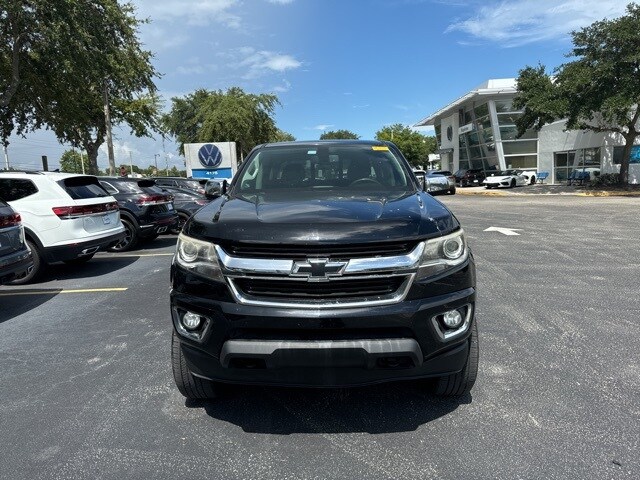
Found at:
(320, 127)
(521, 22)
(261, 62)
(190, 70)
(280, 2)
(194, 12)
(284, 87)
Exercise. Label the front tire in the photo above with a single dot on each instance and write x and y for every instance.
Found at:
(513, 184)
(190, 386)
(461, 383)
(39, 265)
(452, 191)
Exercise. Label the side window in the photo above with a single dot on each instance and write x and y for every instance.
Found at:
(16, 188)
(109, 188)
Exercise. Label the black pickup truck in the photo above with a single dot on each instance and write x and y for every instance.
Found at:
(323, 264)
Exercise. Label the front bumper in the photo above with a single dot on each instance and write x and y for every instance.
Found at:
(324, 347)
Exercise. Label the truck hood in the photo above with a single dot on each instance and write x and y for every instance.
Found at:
(274, 218)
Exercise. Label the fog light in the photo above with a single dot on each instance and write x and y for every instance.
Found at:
(452, 319)
(191, 321)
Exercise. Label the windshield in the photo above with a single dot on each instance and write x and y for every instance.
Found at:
(324, 167)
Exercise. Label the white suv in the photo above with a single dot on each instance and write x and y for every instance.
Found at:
(66, 217)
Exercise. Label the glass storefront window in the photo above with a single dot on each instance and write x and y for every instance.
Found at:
(591, 157)
(462, 153)
(511, 132)
(481, 110)
(473, 138)
(491, 164)
(504, 106)
(468, 118)
(487, 134)
(522, 161)
(520, 147)
(475, 152)
(508, 118)
(562, 174)
(484, 122)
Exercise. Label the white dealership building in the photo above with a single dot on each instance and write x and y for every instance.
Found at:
(478, 131)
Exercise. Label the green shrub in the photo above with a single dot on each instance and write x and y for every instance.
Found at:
(606, 180)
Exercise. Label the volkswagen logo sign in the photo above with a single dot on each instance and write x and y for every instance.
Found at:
(210, 156)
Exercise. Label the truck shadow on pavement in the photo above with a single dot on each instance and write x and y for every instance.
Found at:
(385, 408)
(16, 302)
(93, 268)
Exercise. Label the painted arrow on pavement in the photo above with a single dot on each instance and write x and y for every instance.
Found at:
(504, 231)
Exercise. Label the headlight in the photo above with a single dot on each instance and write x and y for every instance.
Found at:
(198, 257)
(443, 253)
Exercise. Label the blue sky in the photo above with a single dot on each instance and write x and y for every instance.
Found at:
(338, 64)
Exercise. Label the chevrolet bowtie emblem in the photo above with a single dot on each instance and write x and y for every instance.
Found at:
(317, 268)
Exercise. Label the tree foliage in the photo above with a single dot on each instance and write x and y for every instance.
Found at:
(57, 60)
(71, 162)
(282, 136)
(598, 91)
(218, 116)
(414, 145)
(339, 135)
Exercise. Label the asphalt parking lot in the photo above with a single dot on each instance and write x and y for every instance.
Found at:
(87, 390)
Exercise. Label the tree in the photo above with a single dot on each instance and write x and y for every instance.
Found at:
(217, 116)
(282, 136)
(598, 91)
(414, 145)
(63, 55)
(339, 135)
(71, 162)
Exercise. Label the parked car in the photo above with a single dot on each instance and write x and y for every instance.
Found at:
(531, 175)
(15, 257)
(434, 184)
(145, 209)
(323, 264)
(186, 203)
(506, 178)
(450, 177)
(472, 177)
(66, 217)
(192, 184)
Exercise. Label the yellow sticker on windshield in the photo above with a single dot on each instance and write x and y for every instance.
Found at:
(378, 148)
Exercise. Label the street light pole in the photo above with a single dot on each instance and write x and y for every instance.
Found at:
(155, 159)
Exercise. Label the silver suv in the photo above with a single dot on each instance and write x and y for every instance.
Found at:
(66, 217)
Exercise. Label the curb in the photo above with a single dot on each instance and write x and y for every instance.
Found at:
(578, 193)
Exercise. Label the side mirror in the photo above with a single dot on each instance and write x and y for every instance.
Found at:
(213, 189)
(422, 179)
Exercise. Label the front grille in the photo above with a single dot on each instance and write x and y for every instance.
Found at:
(333, 289)
(311, 251)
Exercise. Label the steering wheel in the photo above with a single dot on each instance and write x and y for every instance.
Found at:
(364, 181)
